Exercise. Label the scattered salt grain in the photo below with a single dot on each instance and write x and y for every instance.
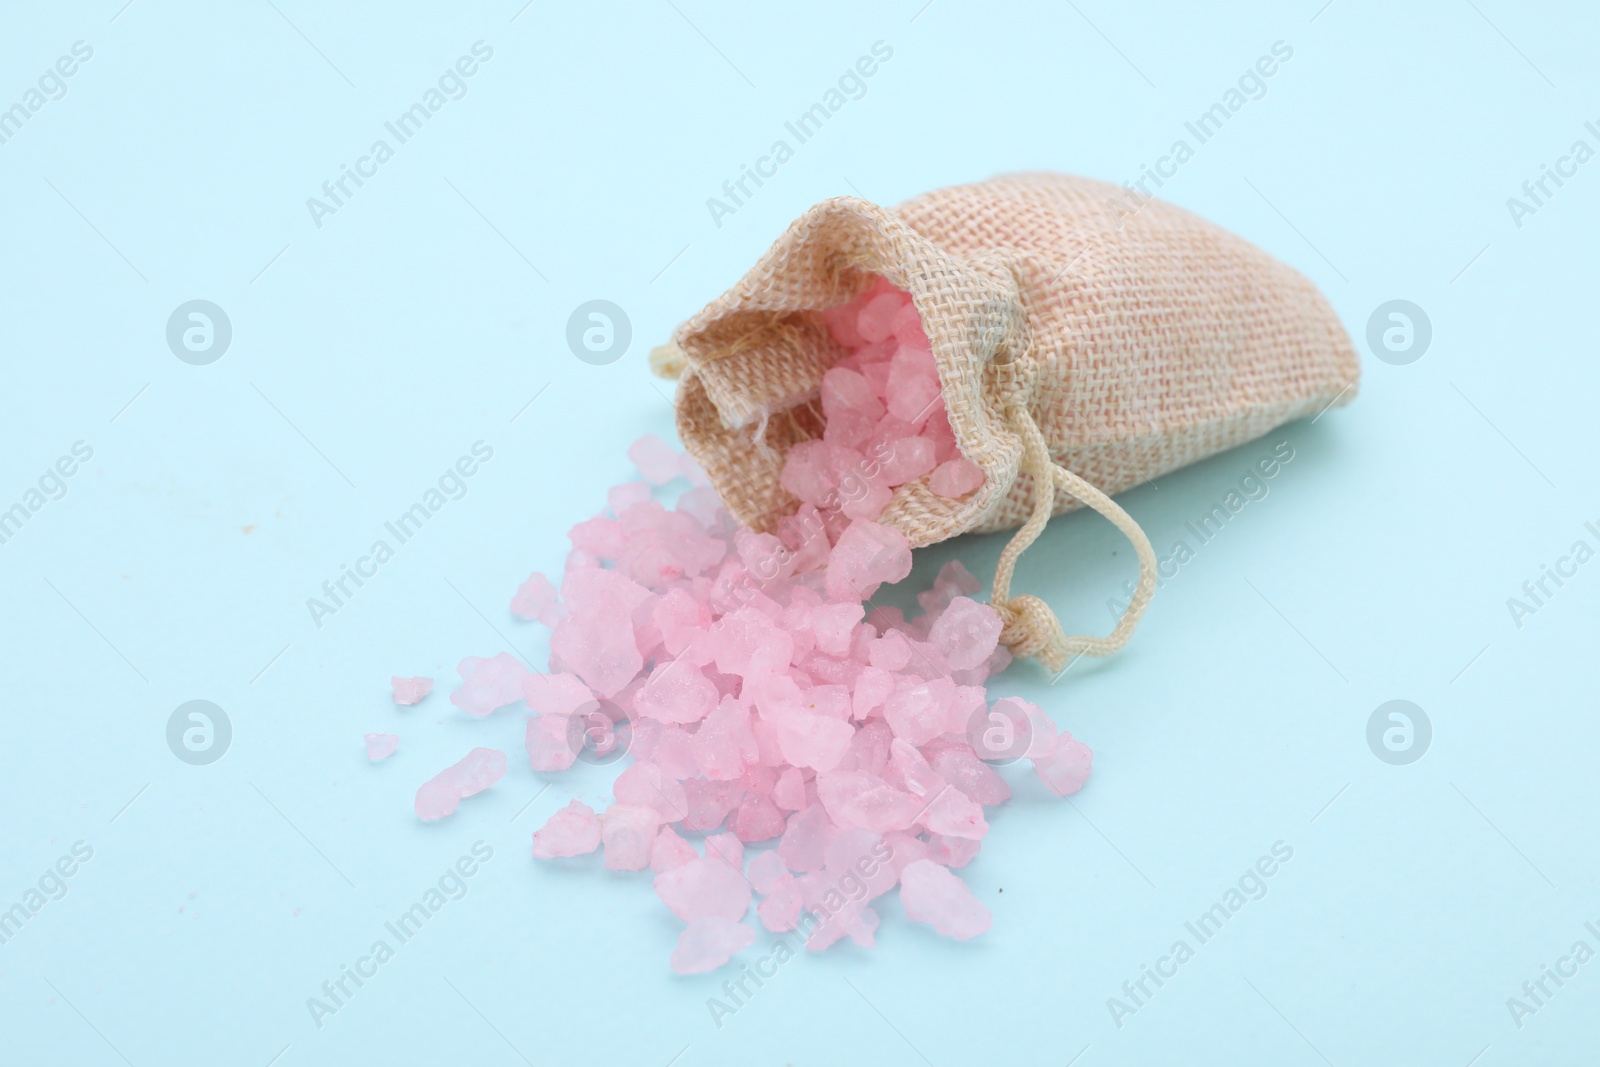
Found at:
(929, 893)
(809, 743)
(655, 459)
(707, 944)
(381, 746)
(572, 831)
(534, 597)
(410, 690)
(1065, 770)
(487, 684)
(477, 771)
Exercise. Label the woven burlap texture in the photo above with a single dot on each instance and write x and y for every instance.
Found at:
(1138, 336)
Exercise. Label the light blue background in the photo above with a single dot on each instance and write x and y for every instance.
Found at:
(372, 352)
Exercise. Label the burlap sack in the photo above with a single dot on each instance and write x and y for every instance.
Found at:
(1085, 342)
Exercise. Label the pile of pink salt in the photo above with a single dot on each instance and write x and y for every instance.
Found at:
(885, 419)
(767, 707)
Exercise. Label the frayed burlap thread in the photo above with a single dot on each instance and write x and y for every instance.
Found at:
(1084, 346)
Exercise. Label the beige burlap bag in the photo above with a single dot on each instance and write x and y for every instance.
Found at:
(1085, 343)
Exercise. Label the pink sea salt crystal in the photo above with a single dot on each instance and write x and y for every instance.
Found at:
(600, 537)
(877, 318)
(1041, 728)
(727, 848)
(622, 499)
(655, 459)
(487, 684)
(913, 386)
(955, 478)
(442, 794)
(756, 818)
(969, 702)
(951, 813)
(904, 850)
(765, 869)
(710, 802)
(628, 831)
(862, 499)
(597, 640)
(891, 652)
(966, 632)
(644, 785)
(572, 831)
(841, 323)
(808, 472)
(805, 838)
(866, 555)
(674, 750)
(670, 851)
(872, 688)
(381, 746)
(549, 740)
(856, 799)
(555, 693)
(917, 711)
(707, 944)
(741, 635)
(1066, 769)
(844, 914)
(929, 893)
(677, 692)
(410, 690)
(722, 741)
(690, 469)
(961, 767)
(913, 771)
(681, 619)
(866, 855)
(849, 428)
(908, 458)
(660, 546)
(765, 557)
(780, 907)
(812, 740)
(908, 327)
(790, 791)
(952, 851)
(845, 390)
(704, 888)
(534, 596)
(834, 624)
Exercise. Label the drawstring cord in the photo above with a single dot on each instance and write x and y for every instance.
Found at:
(1031, 628)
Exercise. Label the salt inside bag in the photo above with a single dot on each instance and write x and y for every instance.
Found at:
(1083, 346)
